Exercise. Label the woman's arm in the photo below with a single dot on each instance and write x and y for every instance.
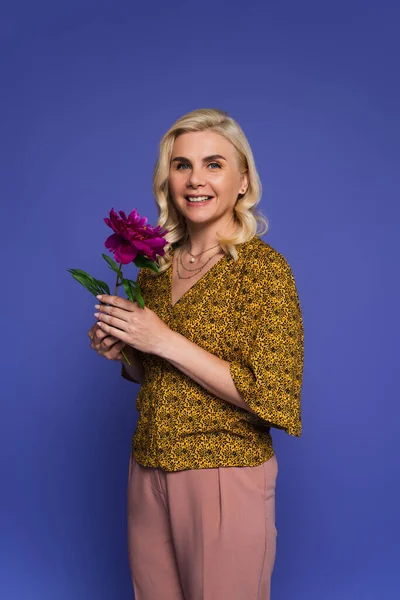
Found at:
(208, 370)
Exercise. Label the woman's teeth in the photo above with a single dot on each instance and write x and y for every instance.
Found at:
(198, 198)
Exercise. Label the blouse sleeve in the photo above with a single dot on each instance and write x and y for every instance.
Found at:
(269, 372)
(125, 375)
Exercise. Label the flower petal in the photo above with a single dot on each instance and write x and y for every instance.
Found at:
(114, 241)
(125, 254)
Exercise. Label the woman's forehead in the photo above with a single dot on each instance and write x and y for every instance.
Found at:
(200, 144)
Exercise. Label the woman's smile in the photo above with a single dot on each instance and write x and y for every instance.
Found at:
(198, 200)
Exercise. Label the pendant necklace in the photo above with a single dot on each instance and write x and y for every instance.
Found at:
(194, 256)
(198, 269)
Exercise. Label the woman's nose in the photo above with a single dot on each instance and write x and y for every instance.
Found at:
(196, 176)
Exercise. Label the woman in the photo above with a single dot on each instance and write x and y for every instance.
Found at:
(218, 350)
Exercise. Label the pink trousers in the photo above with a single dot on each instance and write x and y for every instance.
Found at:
(204, 534)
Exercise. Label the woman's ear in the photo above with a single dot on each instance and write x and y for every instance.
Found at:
(245, 183)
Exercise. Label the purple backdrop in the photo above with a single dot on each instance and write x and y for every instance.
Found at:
(87, 90)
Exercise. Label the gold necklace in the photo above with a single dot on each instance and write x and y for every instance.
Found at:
(194, 256)
(197, 270)
(192, 259)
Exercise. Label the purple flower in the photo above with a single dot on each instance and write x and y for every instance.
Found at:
(132, 236)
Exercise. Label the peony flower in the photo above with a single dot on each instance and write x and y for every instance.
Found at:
(134, 241)
(132, 236)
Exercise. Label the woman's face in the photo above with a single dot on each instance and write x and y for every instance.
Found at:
(204, 163)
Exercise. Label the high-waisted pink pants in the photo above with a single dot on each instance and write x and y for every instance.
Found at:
(204, 534)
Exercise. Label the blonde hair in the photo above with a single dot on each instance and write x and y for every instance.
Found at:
(249, 221)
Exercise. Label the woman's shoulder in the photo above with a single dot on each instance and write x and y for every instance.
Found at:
(262, 256)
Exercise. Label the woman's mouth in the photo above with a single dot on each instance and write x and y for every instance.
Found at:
(198, 200)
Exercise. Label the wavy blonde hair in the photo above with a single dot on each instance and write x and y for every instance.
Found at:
(249, 221)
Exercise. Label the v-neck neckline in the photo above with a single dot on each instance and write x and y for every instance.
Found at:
(205, 275)
(196, 283)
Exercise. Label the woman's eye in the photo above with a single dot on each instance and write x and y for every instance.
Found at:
(181, 166)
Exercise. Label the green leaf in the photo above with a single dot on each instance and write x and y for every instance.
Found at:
(103, 287)
(86, 280)
(112, 264)
(132, 292)
(145, 263)
(134, 283)
(82, 274)
(139, 299)
(129, 291)
(94, 286)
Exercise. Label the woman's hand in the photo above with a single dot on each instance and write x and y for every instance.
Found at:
(106, 345)
(125, 320)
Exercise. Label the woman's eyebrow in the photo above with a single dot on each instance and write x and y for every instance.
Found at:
(205, 159)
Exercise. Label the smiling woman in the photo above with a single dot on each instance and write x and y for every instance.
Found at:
(210, 145)
(213, 180)
(220, 345)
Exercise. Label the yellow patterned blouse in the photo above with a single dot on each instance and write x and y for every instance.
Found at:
(248, 313)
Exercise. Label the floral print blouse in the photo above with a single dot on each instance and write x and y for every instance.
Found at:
(248, 313)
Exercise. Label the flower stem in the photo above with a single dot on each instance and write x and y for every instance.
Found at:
(116, 294)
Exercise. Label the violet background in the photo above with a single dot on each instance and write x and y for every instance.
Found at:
(87, 90)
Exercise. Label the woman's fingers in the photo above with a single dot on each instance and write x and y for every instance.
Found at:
(112, 348)
(104, 344)
(96, 334)
(117, 350)
(108, 342)
(99, 334)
